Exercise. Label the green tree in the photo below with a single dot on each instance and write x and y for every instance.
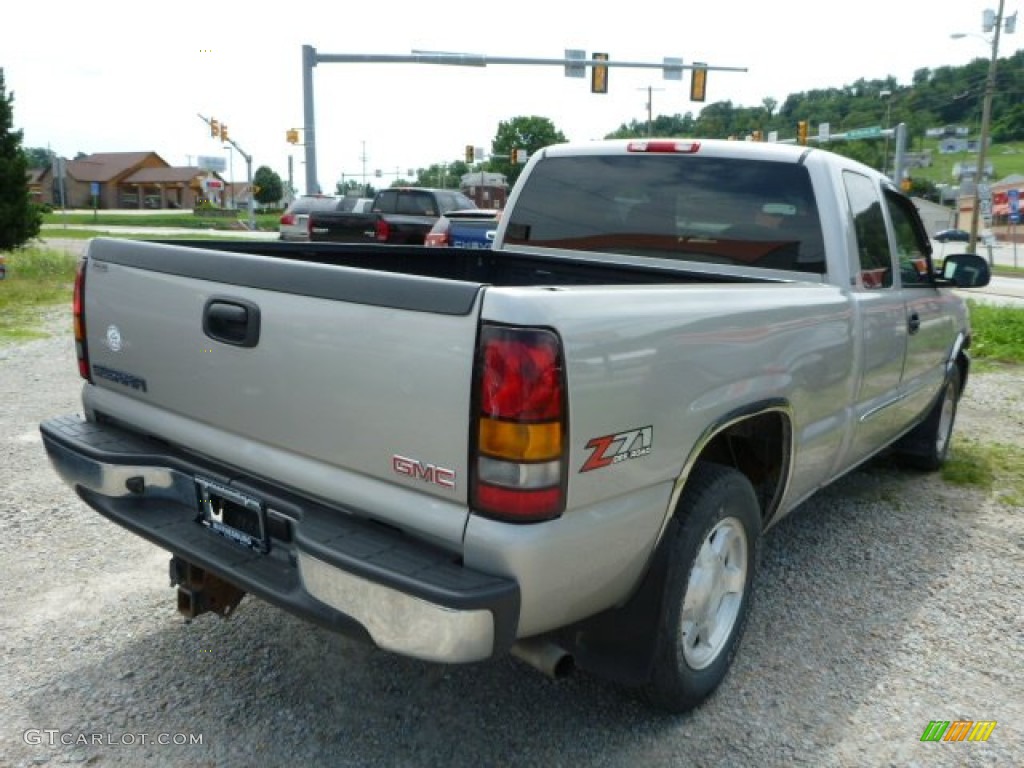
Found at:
(348, 187)
(923, 188)
(441, 175)
(269, 187)
(528, 133)
(20, 219)
(38, 157)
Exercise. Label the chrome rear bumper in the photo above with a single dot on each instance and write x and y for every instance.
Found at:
(328, 565)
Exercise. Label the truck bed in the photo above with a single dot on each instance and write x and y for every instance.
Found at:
(475, 265)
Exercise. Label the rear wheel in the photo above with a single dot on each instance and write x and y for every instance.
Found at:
(712, 545)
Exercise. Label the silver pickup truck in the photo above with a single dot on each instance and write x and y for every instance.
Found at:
(567, 447)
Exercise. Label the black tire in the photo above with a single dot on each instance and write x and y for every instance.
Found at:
(712, 554)
(927, 445)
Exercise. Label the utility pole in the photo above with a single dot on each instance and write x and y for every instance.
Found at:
(986, 121)
(650, 106)
(363, 158)
(986, 114)
(887, 95)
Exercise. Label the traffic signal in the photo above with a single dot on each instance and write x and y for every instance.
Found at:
(517, 156)
(698, 81)
(214, 128)
(292, 136)
(470, 154)
(599, 74)
(801, 132)
(223, 132)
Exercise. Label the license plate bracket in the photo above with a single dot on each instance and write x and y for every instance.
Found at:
(236, 516)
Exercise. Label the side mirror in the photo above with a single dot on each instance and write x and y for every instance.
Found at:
(966, 270)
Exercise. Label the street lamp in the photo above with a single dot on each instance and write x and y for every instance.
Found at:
(996, 26)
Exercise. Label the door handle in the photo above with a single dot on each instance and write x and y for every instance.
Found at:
(914, 323)
(232, 321)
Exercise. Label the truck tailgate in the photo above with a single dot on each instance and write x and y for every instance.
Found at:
(361, 378)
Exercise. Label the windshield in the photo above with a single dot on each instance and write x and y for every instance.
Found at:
(718, 210)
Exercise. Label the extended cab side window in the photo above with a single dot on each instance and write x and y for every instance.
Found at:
(869, 226)
(416, 204)
(912, 248)
(386, 201)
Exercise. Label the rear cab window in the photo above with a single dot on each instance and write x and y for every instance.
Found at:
(741, 212)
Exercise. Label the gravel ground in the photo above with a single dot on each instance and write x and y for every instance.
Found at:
(888, 601)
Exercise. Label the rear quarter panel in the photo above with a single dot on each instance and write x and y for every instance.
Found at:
(671, 361)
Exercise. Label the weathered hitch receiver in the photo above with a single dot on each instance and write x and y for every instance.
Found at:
(199, 591)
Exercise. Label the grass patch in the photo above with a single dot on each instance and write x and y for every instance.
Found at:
(37, 278)
(1004, 271)
(998, 333)
(988, 466)
(56, 233)
(264, 221)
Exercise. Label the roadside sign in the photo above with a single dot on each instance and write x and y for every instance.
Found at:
(873, 132)
(94, 188)
(823, 131)
(575, 70)
(673, 69)
(211, 163)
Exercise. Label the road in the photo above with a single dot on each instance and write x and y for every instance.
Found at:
(1001, 254)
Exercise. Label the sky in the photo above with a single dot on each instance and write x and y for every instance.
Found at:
(110, 75)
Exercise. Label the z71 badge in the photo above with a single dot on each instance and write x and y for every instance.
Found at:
(613, 449)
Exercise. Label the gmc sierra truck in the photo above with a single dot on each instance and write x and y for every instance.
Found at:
(567, 447)
(398, 216)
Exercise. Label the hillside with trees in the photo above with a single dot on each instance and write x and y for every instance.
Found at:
(936, 97)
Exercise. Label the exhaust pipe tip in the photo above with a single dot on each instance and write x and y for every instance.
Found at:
(548, 657)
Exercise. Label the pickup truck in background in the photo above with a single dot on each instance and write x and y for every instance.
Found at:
(474, 228)
(567, 447)
(399, 215)
(294, 222)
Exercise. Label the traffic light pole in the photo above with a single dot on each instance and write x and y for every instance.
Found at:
(673, 69)
(248, 170)
(248, 179)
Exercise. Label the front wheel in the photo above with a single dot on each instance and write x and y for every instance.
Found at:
(927, 445)
(712, 546)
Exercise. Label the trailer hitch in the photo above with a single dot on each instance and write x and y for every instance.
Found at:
(199, 591)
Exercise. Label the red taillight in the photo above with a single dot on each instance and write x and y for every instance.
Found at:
(382, 230)
(522, 380)
(437, 238)
(78, 315)
(520, 464)
(288, 220)
(678, 146)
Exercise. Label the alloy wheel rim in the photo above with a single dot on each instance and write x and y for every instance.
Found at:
(714, 593)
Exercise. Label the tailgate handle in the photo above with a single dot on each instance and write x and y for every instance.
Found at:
(232, 321)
